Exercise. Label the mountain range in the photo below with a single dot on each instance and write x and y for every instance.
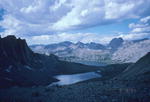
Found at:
(19, 65)
(116, 51)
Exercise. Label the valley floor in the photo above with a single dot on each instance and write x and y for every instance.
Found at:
(90, 91)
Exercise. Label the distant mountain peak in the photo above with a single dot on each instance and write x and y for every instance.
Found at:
(79, 42)
(117, 39)
(65, 43)
(116, 43)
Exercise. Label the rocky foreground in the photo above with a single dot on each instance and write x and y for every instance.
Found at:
(95, 91)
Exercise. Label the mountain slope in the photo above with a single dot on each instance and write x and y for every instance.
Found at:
(139, 71)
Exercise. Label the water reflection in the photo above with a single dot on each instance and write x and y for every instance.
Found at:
(74, 78)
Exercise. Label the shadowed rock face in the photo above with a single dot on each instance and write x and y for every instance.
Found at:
(20, 66)
(14, 50)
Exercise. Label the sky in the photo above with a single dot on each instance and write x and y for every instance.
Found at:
(52, 21)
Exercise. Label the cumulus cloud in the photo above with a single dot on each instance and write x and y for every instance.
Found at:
(73, 37)
(143, 26)
(140, 29)
(86, 38)
(37, 17)
(134, 36)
